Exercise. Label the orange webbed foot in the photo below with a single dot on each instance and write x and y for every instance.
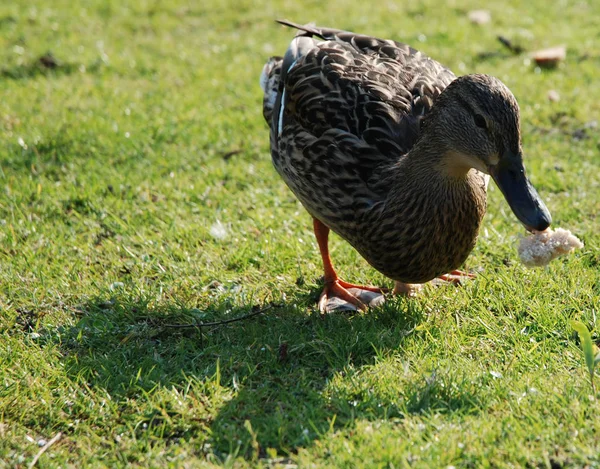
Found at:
(343, 296)
(456, 277)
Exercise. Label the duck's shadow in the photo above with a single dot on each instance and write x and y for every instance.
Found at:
(285, 375)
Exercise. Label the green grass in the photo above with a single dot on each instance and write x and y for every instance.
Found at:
(137, 192)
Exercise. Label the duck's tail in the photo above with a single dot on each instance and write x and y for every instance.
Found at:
(310, 30)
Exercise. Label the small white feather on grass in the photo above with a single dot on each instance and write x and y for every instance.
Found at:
(218, 231)
(538, 249)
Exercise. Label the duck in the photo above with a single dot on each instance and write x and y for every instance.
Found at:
(393, 152)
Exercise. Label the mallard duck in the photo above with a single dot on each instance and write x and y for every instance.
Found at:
(390, 150)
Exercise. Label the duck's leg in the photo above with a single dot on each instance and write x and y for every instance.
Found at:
(337, 294)
(456, 277)
(407, 289)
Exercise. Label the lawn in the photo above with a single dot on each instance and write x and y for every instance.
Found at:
(137, 194)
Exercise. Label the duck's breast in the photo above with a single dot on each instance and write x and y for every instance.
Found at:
(423, 233)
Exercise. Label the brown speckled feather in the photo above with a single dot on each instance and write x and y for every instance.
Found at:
(347, 111)
(375, 90)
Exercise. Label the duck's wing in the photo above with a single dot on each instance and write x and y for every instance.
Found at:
(347, 107)
(367, 85)
(370, 93)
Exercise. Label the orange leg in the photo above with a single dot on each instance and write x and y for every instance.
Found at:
(456, 277)
(334, 287)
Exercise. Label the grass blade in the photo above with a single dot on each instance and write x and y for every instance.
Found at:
(588, 348)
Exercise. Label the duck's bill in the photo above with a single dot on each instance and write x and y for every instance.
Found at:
(520, 194)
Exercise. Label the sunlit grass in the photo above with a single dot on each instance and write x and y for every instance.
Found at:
(138, 192)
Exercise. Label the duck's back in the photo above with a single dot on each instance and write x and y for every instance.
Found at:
(377, 90)
(342, 108)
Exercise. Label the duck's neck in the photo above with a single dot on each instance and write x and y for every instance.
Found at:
(436, 179)
(432, 160)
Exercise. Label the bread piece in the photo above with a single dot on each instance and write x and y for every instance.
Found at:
(538, 249)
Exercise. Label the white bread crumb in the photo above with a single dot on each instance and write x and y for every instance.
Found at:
(538, 249)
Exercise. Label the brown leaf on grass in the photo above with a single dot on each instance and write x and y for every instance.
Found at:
(550, 57)
(48, 61)
(226, 155)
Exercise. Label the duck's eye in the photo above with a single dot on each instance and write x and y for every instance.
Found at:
(480, 121)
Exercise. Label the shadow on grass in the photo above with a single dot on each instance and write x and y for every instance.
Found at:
(287, 377)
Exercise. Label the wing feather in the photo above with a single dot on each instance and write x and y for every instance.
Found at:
(358, 102)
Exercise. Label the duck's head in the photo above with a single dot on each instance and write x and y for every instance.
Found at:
(478, 119)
